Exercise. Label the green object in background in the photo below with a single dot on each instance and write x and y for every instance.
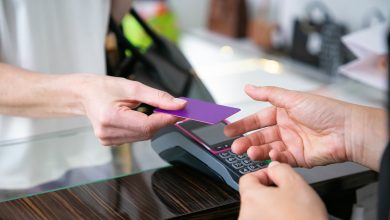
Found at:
(164, 23)
(268, 161)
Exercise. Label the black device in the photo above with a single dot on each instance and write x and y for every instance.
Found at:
(205, 148)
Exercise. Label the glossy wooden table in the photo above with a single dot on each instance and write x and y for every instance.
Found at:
(172, 192)
(166, 193)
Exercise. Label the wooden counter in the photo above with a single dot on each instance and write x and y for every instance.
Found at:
(167, 193)
(172, 192)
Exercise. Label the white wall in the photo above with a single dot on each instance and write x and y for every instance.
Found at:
(191, 13)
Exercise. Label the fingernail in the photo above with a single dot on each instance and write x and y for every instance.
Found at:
(179, 101)
(273, 163)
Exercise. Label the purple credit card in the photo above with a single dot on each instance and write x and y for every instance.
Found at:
(202, 111)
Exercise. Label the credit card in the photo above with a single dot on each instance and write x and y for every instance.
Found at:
(202, 111)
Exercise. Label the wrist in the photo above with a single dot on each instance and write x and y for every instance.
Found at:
(75, 92)
(368, 136)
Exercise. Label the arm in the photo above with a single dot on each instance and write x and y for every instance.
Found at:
(368, 136)
(106, 101)
(308, 130)
(30, 94)
(119, 8)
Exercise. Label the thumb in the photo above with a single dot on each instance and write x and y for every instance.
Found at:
(157, 98)
(283, 174)
(278, 97)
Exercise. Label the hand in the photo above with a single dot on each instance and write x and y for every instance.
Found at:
(109, 103)
(308, 130)
(291, 198)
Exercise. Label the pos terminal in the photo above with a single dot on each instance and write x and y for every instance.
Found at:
(205, 148)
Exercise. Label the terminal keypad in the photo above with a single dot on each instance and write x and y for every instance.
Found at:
(241, 163)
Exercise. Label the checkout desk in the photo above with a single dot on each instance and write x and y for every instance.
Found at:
(142, 186)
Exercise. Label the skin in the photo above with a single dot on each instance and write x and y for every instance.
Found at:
(119, 8)
(106, 101)
(305, 130)
(289, 198)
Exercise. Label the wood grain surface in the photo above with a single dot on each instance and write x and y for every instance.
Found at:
(168, 193)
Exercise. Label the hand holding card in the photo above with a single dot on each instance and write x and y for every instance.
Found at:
(202, 111)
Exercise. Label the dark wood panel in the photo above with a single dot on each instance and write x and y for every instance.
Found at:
(168, 193)
(172, 192)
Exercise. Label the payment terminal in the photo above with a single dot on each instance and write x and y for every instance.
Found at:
(205, 148)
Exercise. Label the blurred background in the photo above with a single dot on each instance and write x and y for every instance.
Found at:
(295, 44)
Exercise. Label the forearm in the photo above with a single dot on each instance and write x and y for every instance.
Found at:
(31, 94)
(370, 136)
(119, 8)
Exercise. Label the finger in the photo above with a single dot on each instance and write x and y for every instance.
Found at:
(156, 121)
(264, 118)
(283, 156)
(157, 98)
(262, 152)
(122, 118)
(128, 119)
(138, 126)
(262, 177)
(260, 137)
(249, 182)
(283, 175)
(278, 97)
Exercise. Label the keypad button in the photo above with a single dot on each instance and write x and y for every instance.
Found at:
(261, 164)
(226, 146)
(253, 167)
(246, 161)
(224, 154)
(237, 165)
(240, 157)
(231, 159)
(244, 170)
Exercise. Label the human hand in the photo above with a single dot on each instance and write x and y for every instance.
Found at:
(291, 198)
(109, 102)
(304, 129)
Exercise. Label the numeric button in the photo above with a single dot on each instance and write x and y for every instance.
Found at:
(224, 154)
(244, 170)
(254, 166)
(240, 157)
(237, 165)
(246, 161)
(231, 159)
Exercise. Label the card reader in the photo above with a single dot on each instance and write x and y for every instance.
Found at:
(205, 148)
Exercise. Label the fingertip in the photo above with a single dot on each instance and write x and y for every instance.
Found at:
(250, 87)
(251, 153)
(180, 101)
(162, 120)
(273, 155)
(172, 104)
(273, 163)
(237, 147)
(228, 131)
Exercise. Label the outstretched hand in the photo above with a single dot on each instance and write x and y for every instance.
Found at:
(301, 129)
